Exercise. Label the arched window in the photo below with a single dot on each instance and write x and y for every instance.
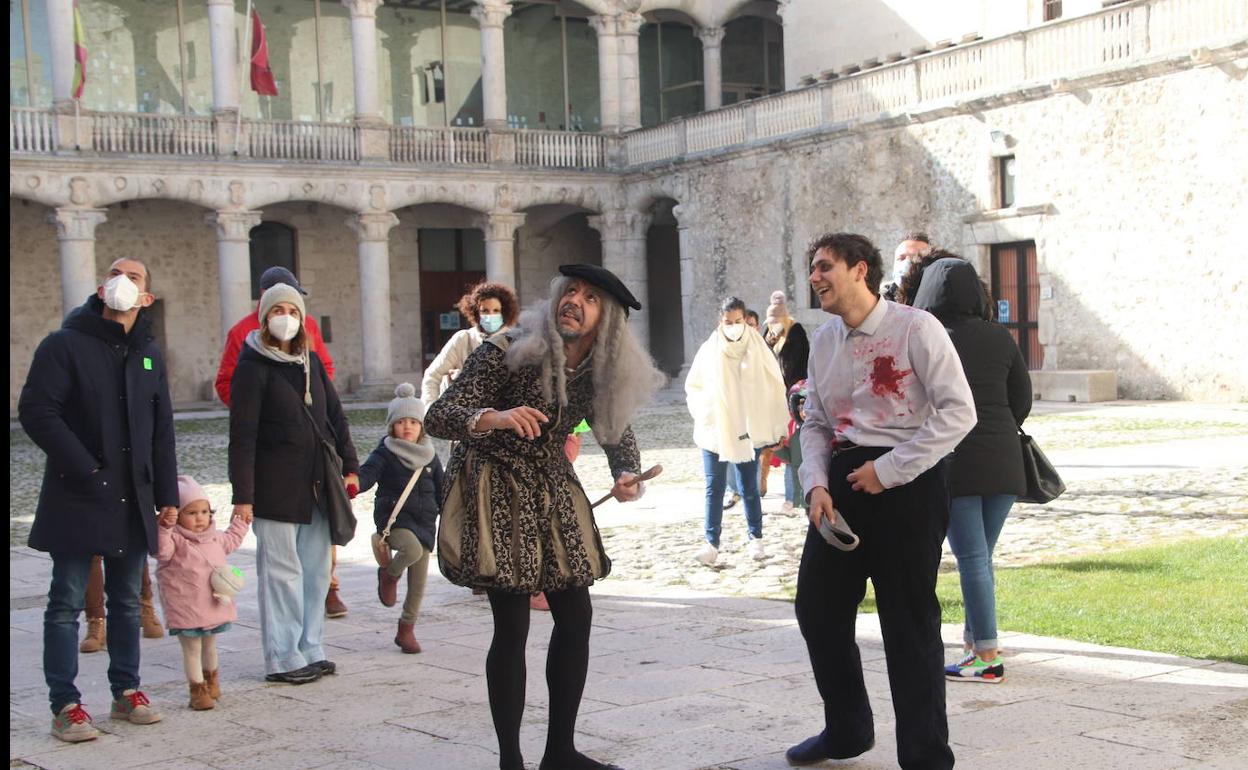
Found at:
(272, 245)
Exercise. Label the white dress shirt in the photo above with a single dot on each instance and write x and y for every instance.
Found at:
(895, 381)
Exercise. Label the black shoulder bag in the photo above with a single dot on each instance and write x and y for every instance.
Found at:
(332, 496)
(1043, 482)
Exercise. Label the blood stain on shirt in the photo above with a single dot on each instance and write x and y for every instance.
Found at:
(886, 377)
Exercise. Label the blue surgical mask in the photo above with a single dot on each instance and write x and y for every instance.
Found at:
(491, 322)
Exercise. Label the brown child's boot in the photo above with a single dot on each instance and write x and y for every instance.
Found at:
(200, 699)
(96, 639)
(152, 629)
(214, 684)
(334, 607)
(406, 640)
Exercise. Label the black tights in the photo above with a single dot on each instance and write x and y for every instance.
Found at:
(567, 662)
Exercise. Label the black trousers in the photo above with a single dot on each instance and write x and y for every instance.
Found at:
(901, 532)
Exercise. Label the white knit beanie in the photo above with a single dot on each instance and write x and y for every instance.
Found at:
(405, 404)
(281, 292)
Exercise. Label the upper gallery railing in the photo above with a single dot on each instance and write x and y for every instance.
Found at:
(1120, 35)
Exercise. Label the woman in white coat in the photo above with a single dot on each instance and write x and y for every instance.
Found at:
(737, 398)
(490, 308)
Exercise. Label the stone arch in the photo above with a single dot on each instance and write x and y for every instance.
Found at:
(519, 197)
(553, 234)
(477, 196)
(764, 9)
(698, 12)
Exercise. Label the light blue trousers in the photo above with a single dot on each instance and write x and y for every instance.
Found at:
(974, 524)
(292, 571)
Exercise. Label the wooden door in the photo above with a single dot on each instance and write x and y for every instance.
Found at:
(1016, 289)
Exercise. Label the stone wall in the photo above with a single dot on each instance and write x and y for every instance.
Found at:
(1140, 192)
(540, 252)
(34, 287)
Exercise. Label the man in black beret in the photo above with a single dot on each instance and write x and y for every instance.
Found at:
(515, 519)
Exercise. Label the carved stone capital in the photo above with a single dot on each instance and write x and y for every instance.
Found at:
(362, 8)
(233, 225)
(502, 225)
(620, 225)
(372, 226)
(603, 25)
(77, 224)
(711, 37)
(629, 23)
(491, 13)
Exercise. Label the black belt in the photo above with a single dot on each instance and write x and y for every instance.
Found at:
(841, 447)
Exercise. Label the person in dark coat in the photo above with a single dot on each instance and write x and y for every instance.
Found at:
(97, 403)
(987, 472)
(275, 470)
(406, 451)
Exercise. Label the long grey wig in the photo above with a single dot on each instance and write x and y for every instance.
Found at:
(624, 375)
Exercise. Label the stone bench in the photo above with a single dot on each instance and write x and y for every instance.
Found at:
(1082, 385)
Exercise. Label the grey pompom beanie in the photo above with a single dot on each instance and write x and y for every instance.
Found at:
(405, 404)
(281, 292)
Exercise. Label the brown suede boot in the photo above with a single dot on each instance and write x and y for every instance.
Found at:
(334, 608)
(96, 639)
(406, 640)
(152, 629)
(214, 684)
(200, 699)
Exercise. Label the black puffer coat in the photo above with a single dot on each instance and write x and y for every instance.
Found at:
(274, 452)
(989, 461)
(96, 402)
(420, 510)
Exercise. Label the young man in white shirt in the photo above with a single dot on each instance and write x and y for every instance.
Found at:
(887, 401)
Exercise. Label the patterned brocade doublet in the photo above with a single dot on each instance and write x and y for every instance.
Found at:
(526, 525)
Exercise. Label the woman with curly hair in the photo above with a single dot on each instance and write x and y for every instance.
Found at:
(490, 308)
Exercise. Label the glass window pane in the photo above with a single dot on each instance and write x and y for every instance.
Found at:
(584, 99)
(533, 46)
(463, 68)
(648, 54)
(753, 59)
(41, 53)
(19, 91)
(410, 74)
(132, 56)
(290, 29)
(197, 47)
(337, 92)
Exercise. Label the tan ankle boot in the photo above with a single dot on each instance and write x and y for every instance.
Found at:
(96, 638)
(406, 640)
(148, 620)
(214, 684)
(200, 699)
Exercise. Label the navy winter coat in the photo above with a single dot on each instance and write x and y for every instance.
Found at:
(96, 402)
(274, 454)
(420, 511)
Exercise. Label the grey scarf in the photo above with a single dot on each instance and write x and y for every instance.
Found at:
(276, 354)
(414, 455)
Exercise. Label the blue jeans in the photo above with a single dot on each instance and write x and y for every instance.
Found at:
(716, 478)
(122, 579)
(974, 523)
(292, 571)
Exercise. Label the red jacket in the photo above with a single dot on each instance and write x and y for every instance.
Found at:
(237, 337)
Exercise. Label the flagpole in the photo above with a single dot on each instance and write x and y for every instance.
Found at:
(243, 72)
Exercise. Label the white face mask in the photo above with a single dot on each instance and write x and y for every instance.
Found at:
(284, 327)
(491, 322)
(120, 293)
(734, 332)
(900, 268)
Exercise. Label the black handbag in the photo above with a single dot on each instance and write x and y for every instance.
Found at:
(333, 497)
(1043, 482)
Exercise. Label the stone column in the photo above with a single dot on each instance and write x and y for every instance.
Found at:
(712, 71)
(628, 27)
(500, 246)
(75, 236)
(490, 15)
(364, 58)
(688, 276)
(61, 48)
(234, 263)
(372, 231)
(224, 55)
(608, 72)
(624, 253)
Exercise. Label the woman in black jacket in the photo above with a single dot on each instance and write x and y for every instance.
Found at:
(279, 388)
(405, 456)
(987, 472)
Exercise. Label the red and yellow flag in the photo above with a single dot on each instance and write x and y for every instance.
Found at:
(261, 74)
(80, 54)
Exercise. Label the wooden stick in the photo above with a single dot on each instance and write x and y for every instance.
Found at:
(653, 471)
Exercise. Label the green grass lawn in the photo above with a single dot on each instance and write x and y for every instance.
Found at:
(1187, 599)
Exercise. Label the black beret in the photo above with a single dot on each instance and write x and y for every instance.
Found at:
(604, 279)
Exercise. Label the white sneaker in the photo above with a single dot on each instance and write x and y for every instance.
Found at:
(754, 549)
(707, 554)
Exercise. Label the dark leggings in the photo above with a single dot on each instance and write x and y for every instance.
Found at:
(566, 664)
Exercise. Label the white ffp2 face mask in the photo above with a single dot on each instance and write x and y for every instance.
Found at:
(120, 293)
(284, 327)
(734, 332)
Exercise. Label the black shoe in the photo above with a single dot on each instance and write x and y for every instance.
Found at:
(324, 667)
(574, 761)
(811, 752)
(298, 676)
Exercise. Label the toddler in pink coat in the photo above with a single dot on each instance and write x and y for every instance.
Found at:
(191, 549)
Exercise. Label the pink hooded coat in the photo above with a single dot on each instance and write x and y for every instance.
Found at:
(184, 564)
